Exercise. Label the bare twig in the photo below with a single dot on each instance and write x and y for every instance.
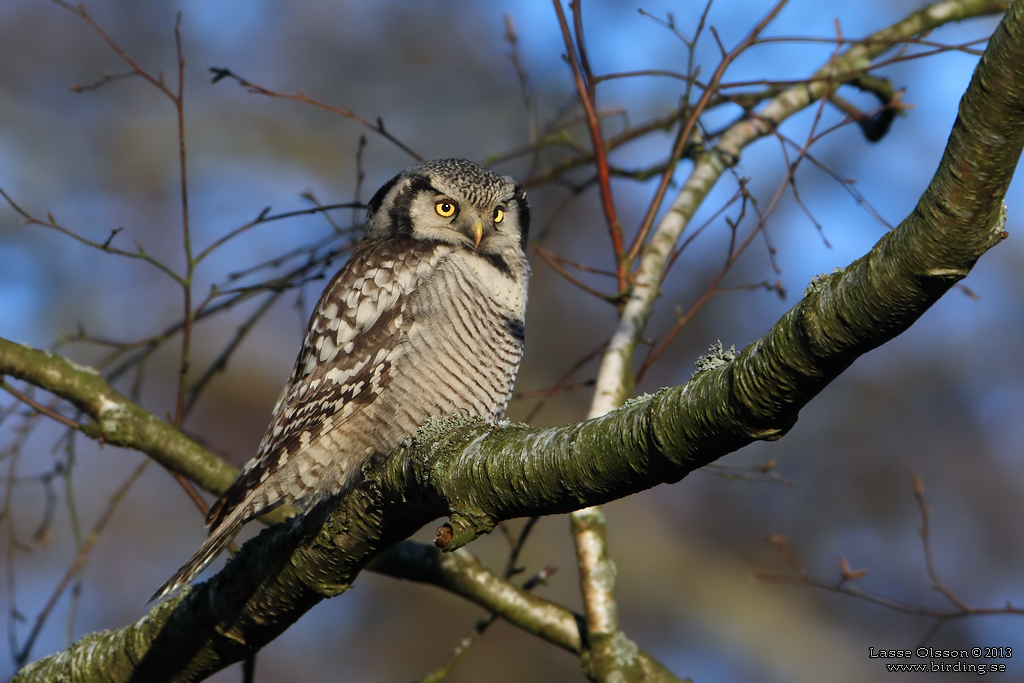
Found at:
(691, 122)
(299, 96)
(560, 383)
(585, 88)
(467, 641)
(186, 233)
(926, 543)
(511, 569)
(80, 559)
(221, 362)
(847, 576)
(556, 261)
(106, 78)
(38, 407)
(52, 223)
(266, 217)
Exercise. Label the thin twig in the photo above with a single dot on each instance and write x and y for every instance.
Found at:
(512, 38)
(560, 382)
(106, 78)
(158, 82)
(52, 223)
(266, 217)
(299, 96)
(360, 176)
(933, 573)
(691, 122)
(220, 363)
(80, 559)
(467, 641)
(578, 63)
(847, 576)
(186, 233)
(38, 407)
(553, 260)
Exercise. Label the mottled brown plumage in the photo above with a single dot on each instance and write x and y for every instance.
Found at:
(424, 320)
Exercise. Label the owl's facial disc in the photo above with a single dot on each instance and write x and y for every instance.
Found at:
(453, 202)
(468, 222)
(449, 209)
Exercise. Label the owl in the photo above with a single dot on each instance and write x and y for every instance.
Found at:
(425, 320)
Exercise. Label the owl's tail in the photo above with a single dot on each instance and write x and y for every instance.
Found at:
(219, 538)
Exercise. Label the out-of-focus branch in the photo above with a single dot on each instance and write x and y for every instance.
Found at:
(615, 381)
(222, 73)
(80, 559)
(845, 584)
(116, 419)
(463, 574)
(586, 90)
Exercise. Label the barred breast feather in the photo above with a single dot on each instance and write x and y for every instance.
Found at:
(425, 320)
(407, 332)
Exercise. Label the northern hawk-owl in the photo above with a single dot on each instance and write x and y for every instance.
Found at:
(426, 319)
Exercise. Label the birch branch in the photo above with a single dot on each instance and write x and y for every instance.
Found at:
(615, 382)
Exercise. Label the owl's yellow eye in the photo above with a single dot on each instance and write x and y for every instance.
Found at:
(498, 215)
(444, 209)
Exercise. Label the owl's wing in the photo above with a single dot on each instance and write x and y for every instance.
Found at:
(361, 316)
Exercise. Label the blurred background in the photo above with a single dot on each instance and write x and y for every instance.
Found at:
(944, 400)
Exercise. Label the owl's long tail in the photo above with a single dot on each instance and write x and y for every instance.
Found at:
(218, 539)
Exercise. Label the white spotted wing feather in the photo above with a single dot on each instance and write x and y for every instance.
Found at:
(389, 348)
(425, 320)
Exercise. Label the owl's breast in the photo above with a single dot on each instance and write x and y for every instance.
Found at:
(460, 350)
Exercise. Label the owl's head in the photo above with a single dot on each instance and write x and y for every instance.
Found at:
(452, 201)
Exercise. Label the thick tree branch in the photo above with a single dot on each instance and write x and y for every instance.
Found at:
(615, 381)
(481, 474)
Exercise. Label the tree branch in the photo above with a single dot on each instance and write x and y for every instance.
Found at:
(615, 380)
(463, 574)
(116, 419)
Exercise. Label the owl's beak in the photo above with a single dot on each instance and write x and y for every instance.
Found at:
(478, 232)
